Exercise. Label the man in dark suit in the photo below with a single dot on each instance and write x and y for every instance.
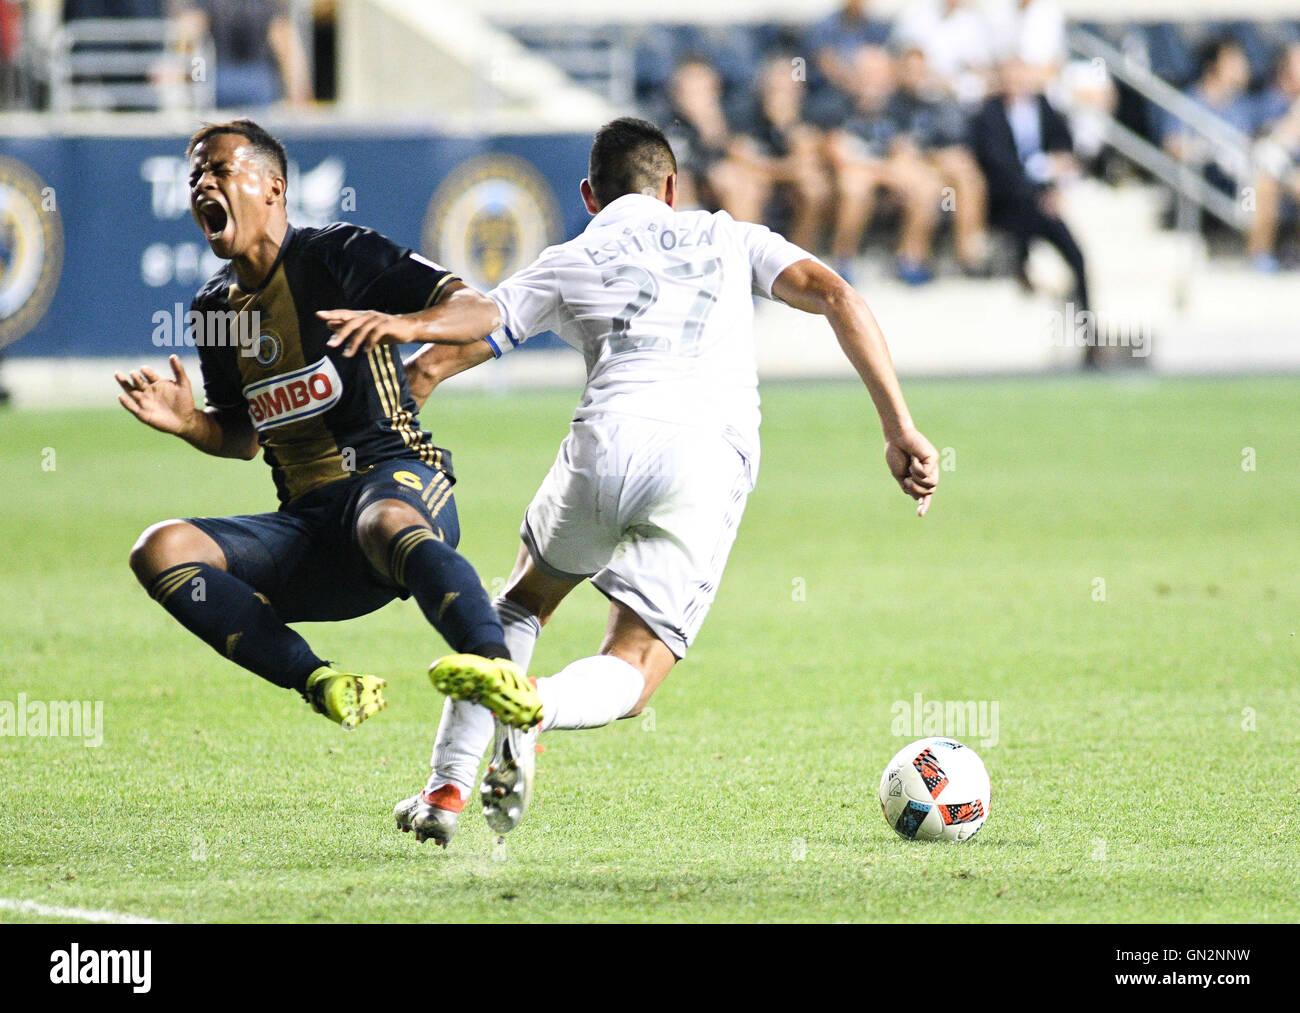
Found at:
(1024, 147)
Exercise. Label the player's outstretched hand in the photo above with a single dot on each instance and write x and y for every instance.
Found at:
(361, 330)
(166, 405)
(914, 463)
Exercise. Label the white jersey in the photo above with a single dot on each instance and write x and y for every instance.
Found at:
(660, 303)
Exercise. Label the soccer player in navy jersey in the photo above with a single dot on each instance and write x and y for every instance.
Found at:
(366, 508)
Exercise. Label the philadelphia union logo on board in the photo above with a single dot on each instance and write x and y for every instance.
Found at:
(31, 249)
(491, 217)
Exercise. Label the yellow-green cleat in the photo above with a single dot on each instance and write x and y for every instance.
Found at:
(498, 685)
(344, 698)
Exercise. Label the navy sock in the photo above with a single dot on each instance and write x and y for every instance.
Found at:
(448, 592)
(236, 622)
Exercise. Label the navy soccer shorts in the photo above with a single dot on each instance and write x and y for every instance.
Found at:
(305, 557)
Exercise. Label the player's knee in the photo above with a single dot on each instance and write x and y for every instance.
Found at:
(534, 600)
(171, 543)
(640, 705)
(629, 639)
(654, 677)
(380, 523)
(537, 592)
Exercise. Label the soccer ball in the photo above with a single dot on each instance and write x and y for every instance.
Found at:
(935, 789)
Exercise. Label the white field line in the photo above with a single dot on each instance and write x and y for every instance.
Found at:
(31, 907)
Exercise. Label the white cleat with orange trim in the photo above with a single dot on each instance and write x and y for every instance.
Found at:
(431, 816)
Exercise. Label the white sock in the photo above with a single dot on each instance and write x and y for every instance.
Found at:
(590, 693)
(465, 731)
(522, 629)
(464, 734)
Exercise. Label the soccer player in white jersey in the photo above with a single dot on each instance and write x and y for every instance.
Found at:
(647, 491)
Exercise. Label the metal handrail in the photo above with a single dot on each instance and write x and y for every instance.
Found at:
(1185, 176)
(1178, 175)
(1158, 91)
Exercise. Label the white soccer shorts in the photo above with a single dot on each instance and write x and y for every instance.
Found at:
(649, 511)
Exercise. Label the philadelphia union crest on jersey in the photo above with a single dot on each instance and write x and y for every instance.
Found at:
(31, 249)
(491, 217)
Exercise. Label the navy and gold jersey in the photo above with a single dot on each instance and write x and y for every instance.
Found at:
(321, 417)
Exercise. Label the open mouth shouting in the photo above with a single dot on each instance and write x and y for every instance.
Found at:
(212, 217)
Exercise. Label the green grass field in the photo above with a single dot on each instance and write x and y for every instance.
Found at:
(1147, 762)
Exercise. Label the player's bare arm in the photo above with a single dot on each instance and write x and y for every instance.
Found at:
(434, 363)
(460, 317)
(167, 404)
(812, 287)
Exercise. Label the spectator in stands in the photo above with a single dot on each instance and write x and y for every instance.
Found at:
(1024, 147)
(958, 42)
(933, 127)
(788, 151)
(1277, 181)
(260, 54)
(1033, 30)
(868, 159)
(713, 164)
(1283, 91)
(1220, 88)
(835, 39)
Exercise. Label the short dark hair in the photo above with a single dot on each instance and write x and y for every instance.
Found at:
(628, 155)
(263, 143)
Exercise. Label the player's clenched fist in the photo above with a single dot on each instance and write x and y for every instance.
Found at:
(166, 405)
(914, 463)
